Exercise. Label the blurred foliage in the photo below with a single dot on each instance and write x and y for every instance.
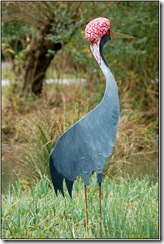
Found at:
(127, 58)
(52, 26)
(137, 58)
(65, 17)
(135, 63)
(14, 39)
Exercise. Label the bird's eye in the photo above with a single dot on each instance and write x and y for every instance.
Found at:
(107, 33)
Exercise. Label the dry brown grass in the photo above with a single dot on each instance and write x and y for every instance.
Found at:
(136, 148)
(30, 129)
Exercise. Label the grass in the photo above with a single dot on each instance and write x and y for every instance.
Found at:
(30, 128)
(129, 210)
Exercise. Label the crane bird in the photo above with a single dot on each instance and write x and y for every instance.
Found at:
(87, 145)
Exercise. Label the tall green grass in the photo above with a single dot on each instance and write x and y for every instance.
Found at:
(129, 210)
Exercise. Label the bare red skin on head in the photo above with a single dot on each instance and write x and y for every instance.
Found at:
(96, 28)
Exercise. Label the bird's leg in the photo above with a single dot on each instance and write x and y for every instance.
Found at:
(99, 180)
(86, 210)
(100, 196)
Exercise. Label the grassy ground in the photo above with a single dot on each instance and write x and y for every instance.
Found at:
(129, 210)
(30, 128)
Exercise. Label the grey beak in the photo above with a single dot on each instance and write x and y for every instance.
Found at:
(115, 35)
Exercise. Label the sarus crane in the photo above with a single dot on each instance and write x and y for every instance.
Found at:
(87, 145)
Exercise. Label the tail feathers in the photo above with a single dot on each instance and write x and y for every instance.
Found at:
(69, 185)
(57, 180)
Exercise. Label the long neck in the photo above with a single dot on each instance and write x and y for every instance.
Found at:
(111, 90)
(95, 48)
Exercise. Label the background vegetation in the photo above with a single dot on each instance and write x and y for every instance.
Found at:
(31, 123)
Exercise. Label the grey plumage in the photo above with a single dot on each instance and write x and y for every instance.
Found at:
(88, 144)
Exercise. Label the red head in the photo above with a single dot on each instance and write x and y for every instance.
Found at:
(96, 28)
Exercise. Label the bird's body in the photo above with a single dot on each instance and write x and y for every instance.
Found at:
(87, 145)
